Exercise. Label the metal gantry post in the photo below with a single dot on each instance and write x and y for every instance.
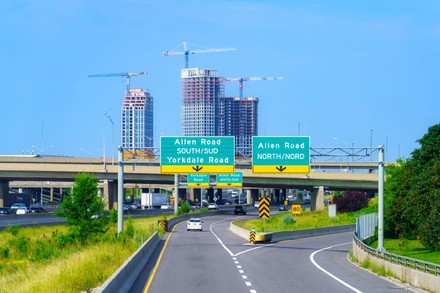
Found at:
(176, 193)
(380, 203)
(120, 189)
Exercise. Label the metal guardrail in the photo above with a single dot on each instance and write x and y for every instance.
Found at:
(424, 266)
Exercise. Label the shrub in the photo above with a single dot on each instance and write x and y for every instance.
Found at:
(129, 230)
(351, 201)
(44, 250)
(113, 215)
(184, 208)
(4, 252)
(21, 243)
(13, 229)
(288, 219)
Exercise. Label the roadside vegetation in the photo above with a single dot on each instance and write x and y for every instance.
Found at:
(284, 221)
(46, 259)
(412, 194)
(410, 248)
(74, 257)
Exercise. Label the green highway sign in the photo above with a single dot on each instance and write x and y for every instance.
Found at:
(230, 180)
(198, 180)
(281, 154)
(197, 154)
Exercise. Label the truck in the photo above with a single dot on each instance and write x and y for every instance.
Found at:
(153, 200)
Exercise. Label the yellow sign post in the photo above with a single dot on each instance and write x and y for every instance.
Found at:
(296, 209)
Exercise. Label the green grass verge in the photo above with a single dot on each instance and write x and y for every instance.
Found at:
(410, 248)
(40, 259)
(306, 220)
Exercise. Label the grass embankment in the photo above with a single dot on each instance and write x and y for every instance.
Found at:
(306, 220)
(410, 248)
(43, 259)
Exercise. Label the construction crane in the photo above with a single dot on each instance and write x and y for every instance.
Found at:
(126, 74)
(186, 52)
(242, 79)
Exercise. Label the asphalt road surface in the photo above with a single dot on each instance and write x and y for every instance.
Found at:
(216, 260)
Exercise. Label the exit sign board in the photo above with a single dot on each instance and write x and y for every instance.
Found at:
(197, 154)
(198, 180)
(281, 154)
(230, 180)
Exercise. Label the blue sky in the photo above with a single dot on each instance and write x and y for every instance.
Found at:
(349, 67)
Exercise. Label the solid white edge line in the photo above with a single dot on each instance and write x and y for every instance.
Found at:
(328, 273)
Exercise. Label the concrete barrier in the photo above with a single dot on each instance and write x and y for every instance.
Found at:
(289, 235)
(406, 274)
(124, 277)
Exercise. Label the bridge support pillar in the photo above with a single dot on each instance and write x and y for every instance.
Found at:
(277, 195)
(253, 195)
(195, 195)
(192, 195)
(51, 194)
(210, 194)
(181, 194)
(219, 194)
(283, 194)
(110, 194)
(317, 201)
(4, 191)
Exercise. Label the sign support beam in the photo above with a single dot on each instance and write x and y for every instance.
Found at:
(120, 189)
(380, 200)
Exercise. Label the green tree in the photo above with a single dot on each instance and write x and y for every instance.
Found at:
(398, 222)
(83, 208)
(425, 188)
(412, 193)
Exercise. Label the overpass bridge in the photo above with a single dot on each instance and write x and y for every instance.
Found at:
(17, 170)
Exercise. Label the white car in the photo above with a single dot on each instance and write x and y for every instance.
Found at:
(212, 206)
(257, 204)
(165, 206)
(194, 224)
(19, 208)
(21, 211)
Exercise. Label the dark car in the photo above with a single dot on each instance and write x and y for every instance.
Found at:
(239, 210)
(5, 211)
(37, 209)
(282, 208)
(307, 201)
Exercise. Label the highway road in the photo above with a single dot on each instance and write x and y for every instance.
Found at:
(216, 260)
(51, 219)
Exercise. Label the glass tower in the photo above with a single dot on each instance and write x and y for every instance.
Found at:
(137, 120)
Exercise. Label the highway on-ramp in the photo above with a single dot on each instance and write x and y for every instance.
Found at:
(216, 260)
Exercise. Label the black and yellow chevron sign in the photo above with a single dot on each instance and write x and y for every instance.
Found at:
(264, 208)
(163, 224)
(252, 236)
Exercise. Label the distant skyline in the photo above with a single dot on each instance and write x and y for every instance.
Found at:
(354, 73)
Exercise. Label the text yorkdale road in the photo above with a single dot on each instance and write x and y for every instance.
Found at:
(196, 154)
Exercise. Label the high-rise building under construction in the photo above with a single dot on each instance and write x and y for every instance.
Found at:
(240, 119)
(201, 91)
(207, 112)
(137, 120)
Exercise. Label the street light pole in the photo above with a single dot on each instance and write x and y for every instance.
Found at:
(103, 138)
(371, 145)
(113, 139)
